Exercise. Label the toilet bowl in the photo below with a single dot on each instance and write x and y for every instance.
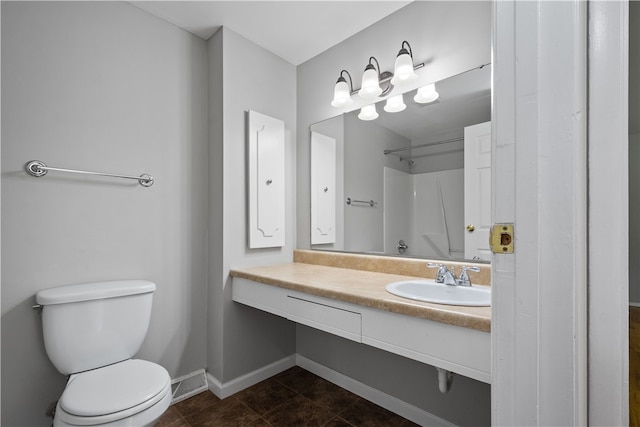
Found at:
(91, 332)
(129, 393)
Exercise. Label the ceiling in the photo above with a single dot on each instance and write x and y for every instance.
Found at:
(294, 30)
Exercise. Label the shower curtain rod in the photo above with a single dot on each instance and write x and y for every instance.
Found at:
(427, 144)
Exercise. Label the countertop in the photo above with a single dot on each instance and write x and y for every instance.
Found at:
(365, 288)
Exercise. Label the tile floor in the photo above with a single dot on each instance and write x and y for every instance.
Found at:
(293, 398)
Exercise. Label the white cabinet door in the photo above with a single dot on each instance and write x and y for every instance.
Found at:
(477, 190)
(266, 181)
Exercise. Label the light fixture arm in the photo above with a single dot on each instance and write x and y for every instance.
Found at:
(341, 78)
(410, 51)
(376, 67)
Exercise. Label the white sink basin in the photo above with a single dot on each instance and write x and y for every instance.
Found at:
(439, 293)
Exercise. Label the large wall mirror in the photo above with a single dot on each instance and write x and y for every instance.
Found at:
(414, 182)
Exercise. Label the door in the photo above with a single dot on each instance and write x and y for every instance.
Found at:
(477, 191)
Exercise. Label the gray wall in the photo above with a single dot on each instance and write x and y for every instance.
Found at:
(243, 339)
(100, 86)
(451, 37)
(364, 180)
(634, 151)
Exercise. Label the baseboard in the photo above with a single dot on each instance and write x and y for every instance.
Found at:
(223, 390)
(393, 404)
(376, 396)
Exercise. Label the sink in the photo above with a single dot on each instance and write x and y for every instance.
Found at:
(439, 293)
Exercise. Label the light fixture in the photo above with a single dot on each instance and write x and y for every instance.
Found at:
(342, 91)
(403, 70)
(395, 104)
(426, 94)
(377, 83)
(371, 81)
(368, 112)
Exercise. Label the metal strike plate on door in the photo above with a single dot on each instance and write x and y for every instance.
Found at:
(501, 239)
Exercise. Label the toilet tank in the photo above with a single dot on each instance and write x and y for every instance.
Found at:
(91, 325)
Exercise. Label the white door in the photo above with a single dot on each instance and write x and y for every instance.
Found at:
(477, 191)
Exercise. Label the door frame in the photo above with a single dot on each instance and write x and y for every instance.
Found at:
(608, 213)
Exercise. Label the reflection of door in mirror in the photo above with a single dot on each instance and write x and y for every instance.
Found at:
(323, 188)
(477, 191)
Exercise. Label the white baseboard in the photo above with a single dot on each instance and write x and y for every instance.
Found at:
(376, 396)
(223, 390)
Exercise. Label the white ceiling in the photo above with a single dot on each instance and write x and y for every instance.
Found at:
(294, 30)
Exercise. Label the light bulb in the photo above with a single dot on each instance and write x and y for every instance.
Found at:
(395, 104)
(341, 94)
(426, 94)
(368, 112)
(403, 70)
(370, 83)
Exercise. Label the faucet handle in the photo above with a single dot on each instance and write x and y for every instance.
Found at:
(464, 279)
(442, 270)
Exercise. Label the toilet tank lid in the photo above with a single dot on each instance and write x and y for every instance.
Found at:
(93, 291)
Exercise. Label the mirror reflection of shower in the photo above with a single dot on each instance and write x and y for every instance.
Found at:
(426, 211)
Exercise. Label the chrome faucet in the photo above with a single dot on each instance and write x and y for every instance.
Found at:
(446, 276)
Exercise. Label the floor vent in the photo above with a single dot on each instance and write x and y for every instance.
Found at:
(189, 385)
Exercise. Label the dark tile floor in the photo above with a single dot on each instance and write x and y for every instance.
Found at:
(295, 397)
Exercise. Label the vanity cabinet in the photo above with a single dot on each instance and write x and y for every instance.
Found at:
(457, 349)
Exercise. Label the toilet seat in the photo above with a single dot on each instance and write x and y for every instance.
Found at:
(113, 392)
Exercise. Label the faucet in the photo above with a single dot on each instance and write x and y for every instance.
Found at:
(446, 276)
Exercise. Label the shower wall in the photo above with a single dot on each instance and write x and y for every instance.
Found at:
(426, 211)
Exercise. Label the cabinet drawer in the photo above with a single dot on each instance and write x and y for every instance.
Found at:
(260, 296)
(344, 323)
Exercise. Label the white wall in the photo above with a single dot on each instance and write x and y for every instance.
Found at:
(451, 37)
(242, 339)
(100, 86)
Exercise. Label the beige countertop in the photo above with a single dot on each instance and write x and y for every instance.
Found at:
(366, 288)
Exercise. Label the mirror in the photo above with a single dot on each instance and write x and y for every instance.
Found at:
(395, 185)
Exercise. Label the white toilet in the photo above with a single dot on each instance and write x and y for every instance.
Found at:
(91, 332)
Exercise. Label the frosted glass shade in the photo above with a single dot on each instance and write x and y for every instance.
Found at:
(370, 83)
(368, 112)
(426, 94)
(403, 70)
(341, 94)
(395, 104)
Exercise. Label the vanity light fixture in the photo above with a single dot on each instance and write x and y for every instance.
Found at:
(342, 91)
(377, 83)
(395, 104)
(403, 70)
(371, 80)
(368, 112)
(426, 94)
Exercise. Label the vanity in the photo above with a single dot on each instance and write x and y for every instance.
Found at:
(344, 294)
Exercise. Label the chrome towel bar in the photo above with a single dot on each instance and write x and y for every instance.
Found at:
(37, 168)
(368, 202)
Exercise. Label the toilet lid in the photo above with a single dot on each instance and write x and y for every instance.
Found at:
(113, 388)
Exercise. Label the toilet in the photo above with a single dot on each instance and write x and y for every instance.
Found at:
(91, 332)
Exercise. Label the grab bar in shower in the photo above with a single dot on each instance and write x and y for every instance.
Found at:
(351, 201)
(37, 168)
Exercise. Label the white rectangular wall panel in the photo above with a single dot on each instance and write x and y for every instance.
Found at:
(266, 181)
(323, 189)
